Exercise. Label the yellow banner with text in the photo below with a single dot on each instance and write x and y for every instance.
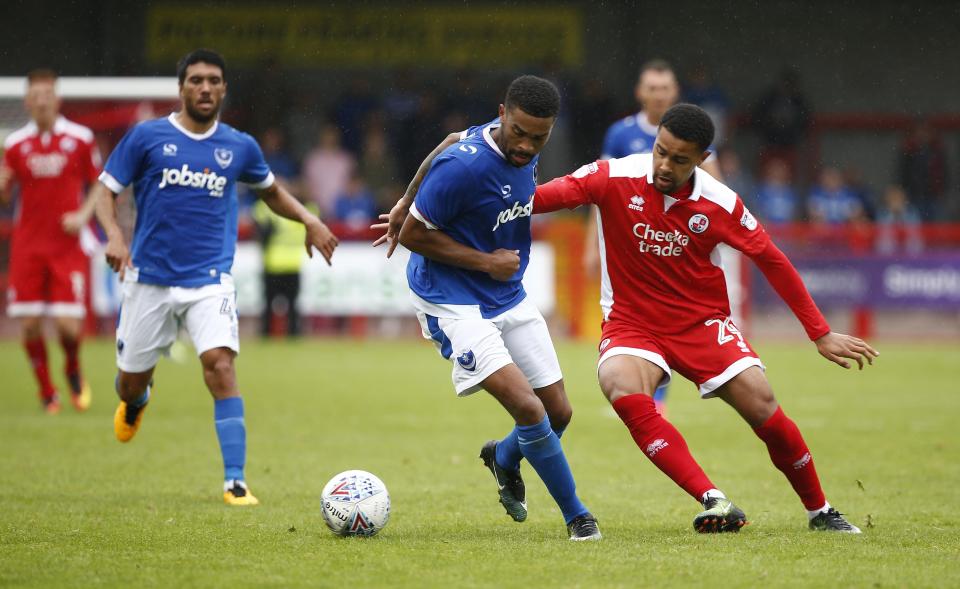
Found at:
(369, 37)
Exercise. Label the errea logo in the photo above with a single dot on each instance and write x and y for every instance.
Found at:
(184, 176)
(655, 446)
(636, 203)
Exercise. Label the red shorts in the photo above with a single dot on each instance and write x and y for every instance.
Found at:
(47, 283)
(708, 354)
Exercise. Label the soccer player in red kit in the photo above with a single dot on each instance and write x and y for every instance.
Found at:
(51, 159)
(665, 307)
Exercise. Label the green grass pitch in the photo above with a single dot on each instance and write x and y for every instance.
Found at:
(78, 509)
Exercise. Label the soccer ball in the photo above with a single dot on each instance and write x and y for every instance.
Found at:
(355, 503)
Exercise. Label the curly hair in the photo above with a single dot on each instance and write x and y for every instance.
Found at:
(535, 96)
(689, 122)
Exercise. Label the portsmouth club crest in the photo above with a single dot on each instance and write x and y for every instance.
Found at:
(223, 156)
(467, 360)
(698, 223)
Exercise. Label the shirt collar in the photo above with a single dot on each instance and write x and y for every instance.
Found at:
(197, 136)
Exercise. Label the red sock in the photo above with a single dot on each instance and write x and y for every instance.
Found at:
(662, 443)
(37, 352)
(789, 453)
(71, 352)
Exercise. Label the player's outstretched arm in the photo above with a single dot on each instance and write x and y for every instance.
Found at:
(117, 254)
(286, 205)
(393, 221)
(501, 264)
(837, 346)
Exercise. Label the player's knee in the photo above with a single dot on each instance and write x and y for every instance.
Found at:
(32, 327)
(560, 417)
(219, 369)
(528, 410)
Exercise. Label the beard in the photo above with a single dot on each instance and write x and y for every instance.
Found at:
(199, 116)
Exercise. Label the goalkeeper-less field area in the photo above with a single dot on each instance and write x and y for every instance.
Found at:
(78, 509)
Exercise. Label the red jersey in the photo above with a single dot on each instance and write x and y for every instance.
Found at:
(52, 169)
(659, 259)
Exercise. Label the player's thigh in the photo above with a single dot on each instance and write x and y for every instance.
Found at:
(210, 316)
(751, 395)
(146, 326)
(631, 361)
(27, 288)
(711, 354)
(527, 338)
(473, 346)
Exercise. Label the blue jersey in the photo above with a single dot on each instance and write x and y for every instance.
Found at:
(630, 135)
(474, 195)
(184, 185)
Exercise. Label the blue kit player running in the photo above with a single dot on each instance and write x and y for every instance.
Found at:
(184, 169)
(469, 231)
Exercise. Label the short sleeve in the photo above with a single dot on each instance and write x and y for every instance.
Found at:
(443, 192)
(125, 161)
(256, 172)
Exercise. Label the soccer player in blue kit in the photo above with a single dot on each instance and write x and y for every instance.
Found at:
(184, 169)
(469, 234)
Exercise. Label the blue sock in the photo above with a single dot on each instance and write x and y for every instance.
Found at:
(508, 449)
(232, 433)
(141, 401)
(541, 447)
(660, 395)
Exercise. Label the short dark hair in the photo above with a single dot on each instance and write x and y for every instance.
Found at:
(656, 65)
(535, 96)
(689, 122)
(42, 73)
(200, 55)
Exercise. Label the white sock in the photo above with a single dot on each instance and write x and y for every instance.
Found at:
(816, 512)
(717, 493)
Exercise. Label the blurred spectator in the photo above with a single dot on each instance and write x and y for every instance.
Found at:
(351, 110)
(736, 176)
(702, 90)
(923, 171)
(782, 117)
(327, 169)
(378, 166)
(831, 202)
(281, 241)
(853, 178)
(776, 201)
(355, 206)
(273, 143)
(898, 224)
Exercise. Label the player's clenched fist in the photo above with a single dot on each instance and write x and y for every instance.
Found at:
(503, 264)
(117, 255)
